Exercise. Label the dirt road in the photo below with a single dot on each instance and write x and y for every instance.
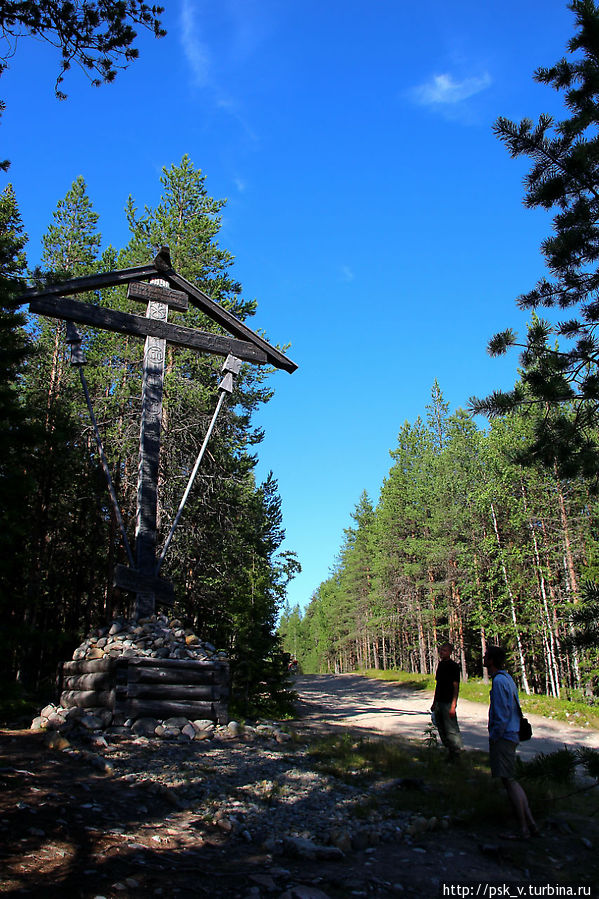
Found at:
(349, 701)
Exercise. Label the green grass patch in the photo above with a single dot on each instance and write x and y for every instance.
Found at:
(474, 689)
(402, 776)
(416, 778)
(574, 711)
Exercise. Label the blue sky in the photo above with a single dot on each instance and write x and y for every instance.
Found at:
(371, 211)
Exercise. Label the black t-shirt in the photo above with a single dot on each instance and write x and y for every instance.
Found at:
(448, 672)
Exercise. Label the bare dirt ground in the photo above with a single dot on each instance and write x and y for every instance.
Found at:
(69, 829)
(369, 706)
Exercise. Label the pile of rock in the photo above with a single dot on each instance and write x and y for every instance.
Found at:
(150, 677)
(97, 725)
(93, 721)
(154, 638)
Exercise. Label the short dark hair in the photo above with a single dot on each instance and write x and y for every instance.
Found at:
(448, 644)
(497, 655)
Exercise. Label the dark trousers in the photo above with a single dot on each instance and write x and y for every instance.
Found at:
(448, 727)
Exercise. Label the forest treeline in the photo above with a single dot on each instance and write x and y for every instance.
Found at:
(465, 544)
(59, 540)
(491, 535)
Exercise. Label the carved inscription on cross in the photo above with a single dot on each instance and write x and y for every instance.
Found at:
(149, 450)
(159, 294)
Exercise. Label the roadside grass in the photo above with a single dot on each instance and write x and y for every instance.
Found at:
(410, 777)
(572, 710)
(398, 776)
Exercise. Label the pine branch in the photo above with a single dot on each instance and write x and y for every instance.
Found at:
(500, 343)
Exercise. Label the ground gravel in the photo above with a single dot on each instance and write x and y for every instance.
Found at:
(243, 814)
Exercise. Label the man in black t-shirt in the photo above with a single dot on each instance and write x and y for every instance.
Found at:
(445, 701)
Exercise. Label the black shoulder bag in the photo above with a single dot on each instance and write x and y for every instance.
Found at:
(525, 729)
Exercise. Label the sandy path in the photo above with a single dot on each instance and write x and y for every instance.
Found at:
(348, 701)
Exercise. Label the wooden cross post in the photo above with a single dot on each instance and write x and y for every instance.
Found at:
(149, 453)
(165, 289)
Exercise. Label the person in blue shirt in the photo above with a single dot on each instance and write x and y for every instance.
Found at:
(504, 724)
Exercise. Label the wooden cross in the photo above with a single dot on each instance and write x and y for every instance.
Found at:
(165, 289)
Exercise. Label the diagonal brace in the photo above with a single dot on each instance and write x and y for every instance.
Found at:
(231, 367)
(77, 360)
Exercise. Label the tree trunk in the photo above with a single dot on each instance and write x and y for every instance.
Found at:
(421, 641)
(483, 636)
(459, 623)
(550, 660)
(512, 604)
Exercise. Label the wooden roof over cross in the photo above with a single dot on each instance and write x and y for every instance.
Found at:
(53, 300)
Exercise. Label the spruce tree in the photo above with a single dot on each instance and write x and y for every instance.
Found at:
(65, 512)
(16, 432)
(14, 344)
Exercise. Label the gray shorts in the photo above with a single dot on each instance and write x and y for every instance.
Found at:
(502, 754)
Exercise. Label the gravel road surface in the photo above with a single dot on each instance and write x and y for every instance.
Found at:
(350, 701)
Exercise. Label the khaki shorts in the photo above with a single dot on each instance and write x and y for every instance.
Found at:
(502, 754)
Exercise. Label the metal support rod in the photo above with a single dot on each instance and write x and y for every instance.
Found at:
(111, 490)
(190, 482)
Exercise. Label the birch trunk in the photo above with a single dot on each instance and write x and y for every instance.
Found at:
(549, 636)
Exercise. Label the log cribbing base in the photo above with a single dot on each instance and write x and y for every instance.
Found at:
(144, 688)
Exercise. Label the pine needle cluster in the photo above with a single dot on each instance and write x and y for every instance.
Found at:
(97, 36)
(559, 382)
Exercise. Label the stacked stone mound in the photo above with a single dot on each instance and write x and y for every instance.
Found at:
(152, 676)
(154, 638)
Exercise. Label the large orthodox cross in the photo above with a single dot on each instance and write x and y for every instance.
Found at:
(166, 289)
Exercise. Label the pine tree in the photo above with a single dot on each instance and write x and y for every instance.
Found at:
(292, 633)
(95, 35)
(225, 556)
(437, 415)
(356, 582)
(561, 380)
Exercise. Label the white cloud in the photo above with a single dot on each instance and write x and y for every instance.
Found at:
(204, 69)
(196, 52)
(347, 274)
(443, 90)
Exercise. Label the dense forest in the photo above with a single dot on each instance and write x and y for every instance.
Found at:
(464, 543)
(59, 537)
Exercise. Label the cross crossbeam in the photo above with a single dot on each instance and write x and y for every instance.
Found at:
(126, 323)
(166, 289)
(175, 299)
